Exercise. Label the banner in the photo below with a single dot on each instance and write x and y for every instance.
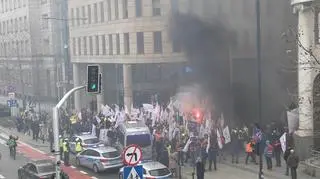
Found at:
(226, 135)
(219, 139)
(293, 120)
(283, 141)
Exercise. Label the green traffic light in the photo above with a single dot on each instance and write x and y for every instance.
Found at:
(93, 86)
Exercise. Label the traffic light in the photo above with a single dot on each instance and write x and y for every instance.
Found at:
(94, 81)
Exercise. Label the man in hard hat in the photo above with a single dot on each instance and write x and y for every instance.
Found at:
(78, 146)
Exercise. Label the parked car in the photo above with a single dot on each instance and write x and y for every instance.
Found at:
(38, 169)
(152, 170)
(100, 158)
(87, 140)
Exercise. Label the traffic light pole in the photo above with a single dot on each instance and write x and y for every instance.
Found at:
(55, 124)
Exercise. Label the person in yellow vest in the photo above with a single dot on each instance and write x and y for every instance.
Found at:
(61, 146)
(78, 146)
(73, 122)
(66, 152)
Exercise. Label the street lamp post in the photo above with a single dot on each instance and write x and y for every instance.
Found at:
(258, 38)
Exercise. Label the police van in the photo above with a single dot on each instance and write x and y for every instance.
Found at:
(135, 132)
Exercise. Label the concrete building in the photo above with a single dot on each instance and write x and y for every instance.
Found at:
(129, 40)
(26, 51)
(308, 42)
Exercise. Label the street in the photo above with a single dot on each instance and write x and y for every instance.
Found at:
(28, 149)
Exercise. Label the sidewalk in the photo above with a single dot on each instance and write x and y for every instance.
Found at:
(227, 170)
(27, 139)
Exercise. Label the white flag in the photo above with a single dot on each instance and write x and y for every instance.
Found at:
(283, 140)
(226, 135)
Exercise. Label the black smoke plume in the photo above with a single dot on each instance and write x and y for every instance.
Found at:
(206, 46)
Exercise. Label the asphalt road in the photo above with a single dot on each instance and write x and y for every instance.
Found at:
(8, 166)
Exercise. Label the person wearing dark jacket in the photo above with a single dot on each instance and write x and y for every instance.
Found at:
(293, 162)
(200, 169)
(285, 157)
(212, 155)
(277, 152)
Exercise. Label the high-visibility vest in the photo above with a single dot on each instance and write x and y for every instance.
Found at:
(78, 147)
(73, 119)
(65, 147)
(60, 142)
(248, 147)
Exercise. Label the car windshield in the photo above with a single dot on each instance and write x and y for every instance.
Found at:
(91, 141)
(142, 140)
(159, 172)
(48, 168)
(113, 154)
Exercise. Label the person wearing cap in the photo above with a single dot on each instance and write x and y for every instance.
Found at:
(66, 151)
(293, 162)
(78, 146)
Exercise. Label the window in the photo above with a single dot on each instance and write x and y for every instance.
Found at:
(125, 8)
(89, 14)
(85, 52)
(74, 46)
(111, 154)
(78, 16)
(109, 10)
(118, 44)
(72, 17)
(116, 9)
(126, 43)
(97, 45)
(157, 42)
(25, 23)
(20, 24)
(83, 8)
(138, 8)
(95, 12)
(79, 46)
(45, 22)
(110, 44)
(140, 43)
(156, 8)
(90, 45)
(143, 140)
(102, 11)
(16, 25)
(103, 45)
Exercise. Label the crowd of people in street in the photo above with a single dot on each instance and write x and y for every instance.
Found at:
(193, 139)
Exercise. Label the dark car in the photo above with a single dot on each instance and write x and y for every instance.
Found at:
(38, 169)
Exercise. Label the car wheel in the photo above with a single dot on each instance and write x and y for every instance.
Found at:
(95, 168)
(78, 163)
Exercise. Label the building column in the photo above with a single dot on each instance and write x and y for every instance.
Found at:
(306, 75)
(127, 86)
(100, 97)
(76, 82)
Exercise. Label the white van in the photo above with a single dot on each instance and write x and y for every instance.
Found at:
(135, 132)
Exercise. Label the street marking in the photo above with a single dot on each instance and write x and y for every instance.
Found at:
(94, 178)
(4, 135)
(32, 147)
(51, 156)
(83, 172)
(72, 166)
(2, 177)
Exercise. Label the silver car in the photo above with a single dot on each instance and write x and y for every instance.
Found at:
(99, 158)
(87, 140)
(154, 170)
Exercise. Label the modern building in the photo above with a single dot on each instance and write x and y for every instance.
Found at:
(130, 41)
(28, 65)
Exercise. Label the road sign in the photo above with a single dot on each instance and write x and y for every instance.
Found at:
(133, 172)
(12, 103)
(132, 155)
(11, 95)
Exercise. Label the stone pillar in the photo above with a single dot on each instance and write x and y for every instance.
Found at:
(76, 82)
(306, 74)
(127, 86)
(100, 97)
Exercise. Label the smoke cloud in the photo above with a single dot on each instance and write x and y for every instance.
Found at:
(206, 46)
